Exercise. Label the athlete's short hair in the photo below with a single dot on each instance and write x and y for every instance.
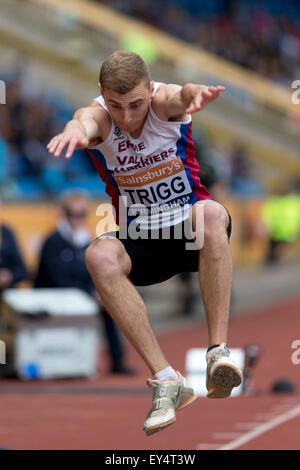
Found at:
(122, 71)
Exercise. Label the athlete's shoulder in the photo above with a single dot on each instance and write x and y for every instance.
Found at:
(165, 90)
(167, 104)
(95, 103)
(99, 101)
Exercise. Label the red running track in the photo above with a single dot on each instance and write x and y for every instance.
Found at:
(108, 412)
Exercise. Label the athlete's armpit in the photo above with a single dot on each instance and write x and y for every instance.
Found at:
(94, 142)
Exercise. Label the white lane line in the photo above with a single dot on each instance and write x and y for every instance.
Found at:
(226, 435)
(281, 408)
(261, 429)
(265, 416)
(207, 446)
(247, 426)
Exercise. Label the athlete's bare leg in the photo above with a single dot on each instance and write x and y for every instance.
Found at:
(109, 265)
(215, 267)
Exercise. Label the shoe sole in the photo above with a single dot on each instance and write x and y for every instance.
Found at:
(159, 427)
(225, 377)
(162, 426)
(187, 402)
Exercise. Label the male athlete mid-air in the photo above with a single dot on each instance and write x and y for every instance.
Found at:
(138, 134)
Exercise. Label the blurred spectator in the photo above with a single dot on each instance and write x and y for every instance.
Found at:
(281, 216)
(6, 158)
(242, 181)
(62, 264)
(261, 35)
(226, 171)
(28, 121)
(26, 125)
(12, 271)
(187, 295)
(12, 267)
(240, 168)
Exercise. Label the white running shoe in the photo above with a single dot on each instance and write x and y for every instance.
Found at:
(168, 397)
(222, 374)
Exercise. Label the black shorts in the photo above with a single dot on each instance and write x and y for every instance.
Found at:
(156, 260)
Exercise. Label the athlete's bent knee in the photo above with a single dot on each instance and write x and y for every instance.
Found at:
(103, 259)
(215, 219)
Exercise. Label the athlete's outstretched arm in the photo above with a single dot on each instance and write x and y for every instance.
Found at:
(87, 124)
(175, 101)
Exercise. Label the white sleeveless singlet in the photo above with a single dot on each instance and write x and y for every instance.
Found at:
(154, 176)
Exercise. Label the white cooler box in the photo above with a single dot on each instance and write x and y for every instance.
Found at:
(52, 333)
(195, 366)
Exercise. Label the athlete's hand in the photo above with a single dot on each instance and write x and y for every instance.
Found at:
(74, 137)
(205, 96)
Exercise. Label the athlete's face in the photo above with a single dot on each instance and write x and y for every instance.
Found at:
(129, 111)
